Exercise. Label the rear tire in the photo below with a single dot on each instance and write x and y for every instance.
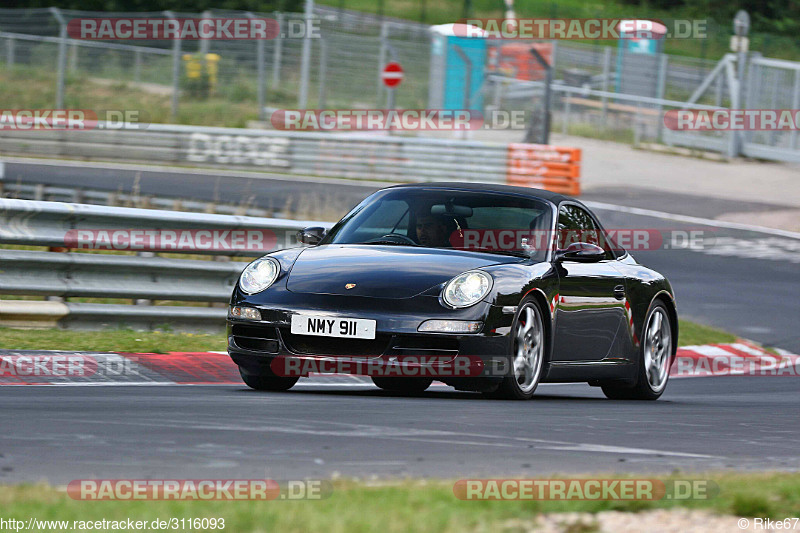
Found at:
(402, 384)
(655, 358)
(528, 354)
(267, 381)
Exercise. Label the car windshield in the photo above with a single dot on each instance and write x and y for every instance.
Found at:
(442, 218)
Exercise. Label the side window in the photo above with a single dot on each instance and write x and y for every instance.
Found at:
(576, 225)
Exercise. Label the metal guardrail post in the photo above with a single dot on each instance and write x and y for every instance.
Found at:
(62, 56)
(277, 53)
(176, 67)
(143, 301)
(305, 59)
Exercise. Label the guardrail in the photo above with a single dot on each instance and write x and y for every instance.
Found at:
(82, 195)
(142, 277)
(343, 155)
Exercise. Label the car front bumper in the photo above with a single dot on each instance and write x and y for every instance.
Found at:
(255, 345)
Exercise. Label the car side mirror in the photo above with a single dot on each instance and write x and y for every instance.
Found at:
(582, 252)
(311, 236)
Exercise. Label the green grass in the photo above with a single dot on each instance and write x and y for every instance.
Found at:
(692, 333)
(34, 88)
(126, 340)
(401, 506)
(110, 340)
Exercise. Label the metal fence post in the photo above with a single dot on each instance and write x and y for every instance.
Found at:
(62, 57)
(176, 67)
(381, 60)
(553, 59)
(73, 57)
(10, 52)
(276, 53)
(305, 61)
(660, 88)
(205, 44)
(262, 80)
(604, 83)
(741, 27)
(548, 85)
(137, 65)
(323, 72)
(467, 75)
(795, 104)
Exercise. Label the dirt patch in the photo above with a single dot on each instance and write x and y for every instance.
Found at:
(152, 88)
(657, 521)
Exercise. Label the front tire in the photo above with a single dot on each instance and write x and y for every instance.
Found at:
(528, 353)
(267, 381)
(654, 360)
(409, 385)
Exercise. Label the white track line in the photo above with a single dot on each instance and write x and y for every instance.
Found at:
(691, 220)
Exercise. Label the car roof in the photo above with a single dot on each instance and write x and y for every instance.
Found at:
(550, 196)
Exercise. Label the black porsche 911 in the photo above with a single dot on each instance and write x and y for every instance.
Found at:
(523, 284)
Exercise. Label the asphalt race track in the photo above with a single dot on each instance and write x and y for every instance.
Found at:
(743, 281)
(226, 432)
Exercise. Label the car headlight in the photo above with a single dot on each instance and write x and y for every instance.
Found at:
(259, 275)
(467, 289)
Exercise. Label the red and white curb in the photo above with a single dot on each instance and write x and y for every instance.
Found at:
(742, 358)
(37, 367)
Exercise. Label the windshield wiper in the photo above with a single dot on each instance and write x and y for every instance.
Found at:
(387, 241)
(515, 253)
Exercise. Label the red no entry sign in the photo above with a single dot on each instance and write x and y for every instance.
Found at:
(392, 74)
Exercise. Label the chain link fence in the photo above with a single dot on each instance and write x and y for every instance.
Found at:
(243, 79)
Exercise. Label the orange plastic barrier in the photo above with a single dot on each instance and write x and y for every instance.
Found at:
(555, 168)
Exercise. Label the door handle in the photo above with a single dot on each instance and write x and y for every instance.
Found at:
(619, 292)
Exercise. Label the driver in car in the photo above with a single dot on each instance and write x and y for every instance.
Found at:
(432, 231)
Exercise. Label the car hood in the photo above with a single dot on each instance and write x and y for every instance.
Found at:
(381, 271)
